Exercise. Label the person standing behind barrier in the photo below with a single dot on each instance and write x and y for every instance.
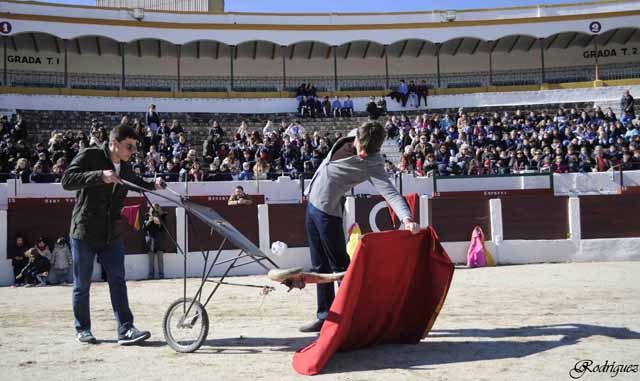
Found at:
(18, 259)
(95, 174)
(152, 233)
(61, 263)
(152, 119)
(238, 197)
(352, 160)
(626, 104)
(423, 92)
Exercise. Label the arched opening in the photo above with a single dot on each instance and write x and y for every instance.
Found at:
(205, 66)
(151, 65)
(257, 66)
(94, 62)
(34, 59)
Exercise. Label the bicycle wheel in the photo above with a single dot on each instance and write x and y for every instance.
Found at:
(185, 331)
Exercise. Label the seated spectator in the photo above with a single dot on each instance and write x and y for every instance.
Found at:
(39, 176)
(268, 129)
(243, 130)
(195, 173)
(181, 148)
(61, 263)
(213, 174)
(336, 107)
(246, 173)
(185, 169)
(36, 272)
(22, 171)
(602, 164)
(295, 131)
(305, 107)
(225, 173)
(372, 109)
(392, 128)
(382, 105)
(238, 197)
(260, 169)
(347, 107)
(176, 128)
(326, 107)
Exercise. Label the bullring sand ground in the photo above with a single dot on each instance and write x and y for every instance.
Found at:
(530, 322)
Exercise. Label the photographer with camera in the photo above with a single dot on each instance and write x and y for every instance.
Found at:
(152, 231)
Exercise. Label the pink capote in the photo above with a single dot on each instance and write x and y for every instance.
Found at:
(476, 255)
(393, 291)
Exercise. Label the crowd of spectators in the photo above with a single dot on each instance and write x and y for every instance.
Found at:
(503, 143)
(41, 264)
(231, 153)
(463, 143)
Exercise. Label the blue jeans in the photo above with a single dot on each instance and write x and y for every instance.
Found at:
(328, 253)
(112, 258)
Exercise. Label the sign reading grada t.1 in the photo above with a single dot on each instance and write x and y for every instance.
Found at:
(33, 60)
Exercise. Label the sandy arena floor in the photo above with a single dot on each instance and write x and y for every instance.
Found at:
(507, 323)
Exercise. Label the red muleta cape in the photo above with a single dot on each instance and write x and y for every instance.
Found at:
(393, 291)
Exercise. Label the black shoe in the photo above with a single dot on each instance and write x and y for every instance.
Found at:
(133, 336)
(86, 337)
(312, 327)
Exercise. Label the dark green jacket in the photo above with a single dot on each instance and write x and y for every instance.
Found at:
(96, 215)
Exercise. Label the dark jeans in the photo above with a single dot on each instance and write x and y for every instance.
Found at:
(112, 258)
(328, 252)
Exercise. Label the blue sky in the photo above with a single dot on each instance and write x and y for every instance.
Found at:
(356, 5)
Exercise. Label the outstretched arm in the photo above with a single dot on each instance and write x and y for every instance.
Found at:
(381, 182)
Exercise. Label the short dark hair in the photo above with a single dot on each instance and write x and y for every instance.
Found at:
(122, 132)
(240, 187)
(371, 135)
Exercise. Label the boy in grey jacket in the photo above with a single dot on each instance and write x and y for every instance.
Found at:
(351, 161)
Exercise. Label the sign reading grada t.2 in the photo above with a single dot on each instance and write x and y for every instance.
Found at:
(5, 27)
(595, 27)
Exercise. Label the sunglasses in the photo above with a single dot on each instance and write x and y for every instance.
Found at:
(131, 147)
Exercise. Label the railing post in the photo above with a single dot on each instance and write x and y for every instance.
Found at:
(122, 79)
(335, 68)
(542, 79)
(232, 54)
(438, 45)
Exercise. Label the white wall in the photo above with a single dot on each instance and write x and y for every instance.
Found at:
(356, 66)
(287, 105)
(316, 67)
(259, 67)
(464, 63)
(86, 63)
(205, 66)
(414, 65)
(145, 65)
(517, 60)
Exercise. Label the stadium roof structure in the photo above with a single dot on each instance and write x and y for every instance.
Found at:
(311, 35)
